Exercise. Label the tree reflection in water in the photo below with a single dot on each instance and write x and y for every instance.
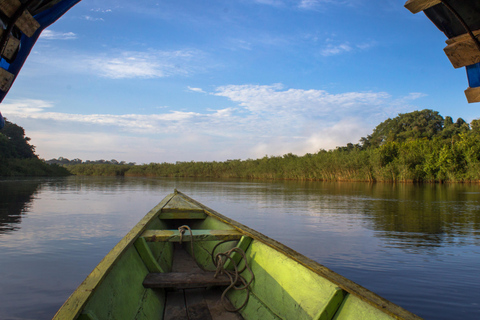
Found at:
(15, 200)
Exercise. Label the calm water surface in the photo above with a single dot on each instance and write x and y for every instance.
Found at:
(418, 246)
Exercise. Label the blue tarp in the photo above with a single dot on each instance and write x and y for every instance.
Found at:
(473, 74)
(45, 18)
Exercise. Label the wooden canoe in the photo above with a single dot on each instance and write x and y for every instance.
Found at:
(149, 274)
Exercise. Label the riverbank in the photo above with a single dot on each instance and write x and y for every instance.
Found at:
(32, 167)
(411, 161)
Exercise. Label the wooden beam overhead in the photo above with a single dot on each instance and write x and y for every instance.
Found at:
(6, 79)
(416, 6)
(473, 94)
(462, 50)
(26, 23)
(462, 37)
(11, 47)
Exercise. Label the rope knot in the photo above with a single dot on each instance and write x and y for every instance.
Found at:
(181, 231)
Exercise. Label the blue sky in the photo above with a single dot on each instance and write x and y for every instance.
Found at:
(165, 81)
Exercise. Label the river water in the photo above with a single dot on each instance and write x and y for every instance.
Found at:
(416, 245)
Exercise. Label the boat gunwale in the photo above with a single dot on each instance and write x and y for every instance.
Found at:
(76, 302)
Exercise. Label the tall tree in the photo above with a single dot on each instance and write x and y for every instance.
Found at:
(406, 126)
(16, 142)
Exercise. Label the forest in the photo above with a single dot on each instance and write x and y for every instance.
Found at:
(420, 146)
(18, 158)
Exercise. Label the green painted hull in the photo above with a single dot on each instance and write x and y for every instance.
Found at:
(286, 284)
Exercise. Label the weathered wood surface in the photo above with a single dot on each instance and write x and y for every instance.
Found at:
(416, 6)
(181, 280)
(462, 37)
(198, 311)
(349, 286)
(280, 273)
(11, 46)
(198, 235)
(182, 261)
(175, 308)
(198, 304)
(76, 302)
(334, 303)
(6, 79)
(147, 256)
(26, 23)
(194, 303)
(473, 94)
(212, 297)
(182, 214)
(463, 51)
(236, 258)
(179, 208)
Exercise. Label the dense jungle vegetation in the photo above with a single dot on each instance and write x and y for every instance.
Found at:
(18, 158)
(419, 146)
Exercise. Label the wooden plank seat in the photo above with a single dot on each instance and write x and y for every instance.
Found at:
(198, 235)
(185, 280)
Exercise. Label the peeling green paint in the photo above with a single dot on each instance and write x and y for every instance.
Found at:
(286, 285)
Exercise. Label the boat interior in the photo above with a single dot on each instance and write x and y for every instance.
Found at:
(203, 302)
(186, 261)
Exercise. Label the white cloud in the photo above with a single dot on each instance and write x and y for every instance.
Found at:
(275, 99)
(142, 64)
(200, 90)
(270, 2)
(55, 35)
(127, 67)
(151, 64)
(122, 64)
(317, 4)
(25, 106)
(90, 18)
(101, 10)
(336, 49)
(308, 4)
(332, 50)
(239, 44)
(366, 45)
(270, 120)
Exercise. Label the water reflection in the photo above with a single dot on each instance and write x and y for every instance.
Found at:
(413, 244)
(425, 216)
(15, 199)
(404, 215)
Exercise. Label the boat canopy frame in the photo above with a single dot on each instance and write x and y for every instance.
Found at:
(22, 24)
(460, 22)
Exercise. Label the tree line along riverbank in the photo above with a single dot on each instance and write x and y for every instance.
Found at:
(420, 146)
(18, 158)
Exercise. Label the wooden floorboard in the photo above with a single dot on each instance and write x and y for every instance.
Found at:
(183, 261)
(217, 310)
(183, 280)
(175, 306)
(194, 304)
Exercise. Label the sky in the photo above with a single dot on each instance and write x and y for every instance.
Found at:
(184, 80)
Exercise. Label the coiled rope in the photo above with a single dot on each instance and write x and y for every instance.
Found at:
(235, 275)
